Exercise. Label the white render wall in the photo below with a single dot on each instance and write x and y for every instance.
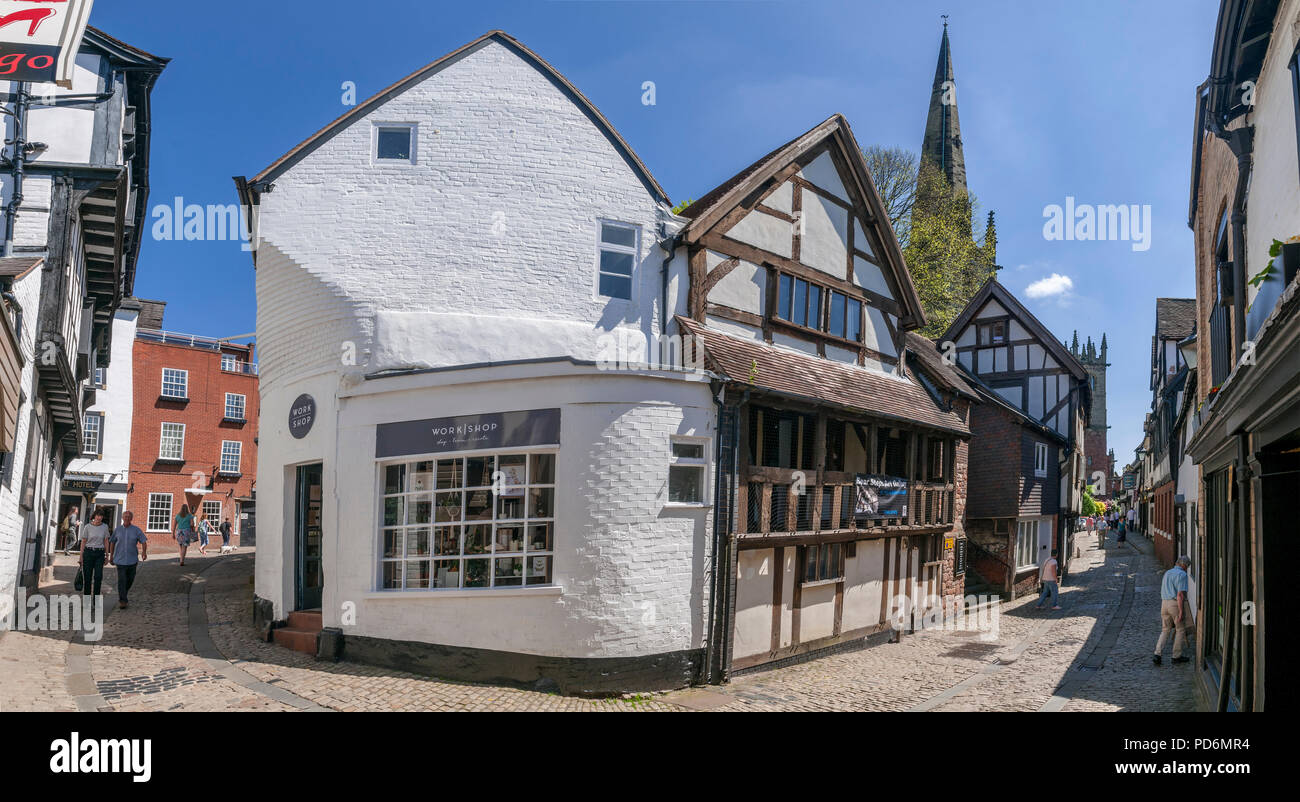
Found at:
(116, 401)
(631, 571)
(498, 215)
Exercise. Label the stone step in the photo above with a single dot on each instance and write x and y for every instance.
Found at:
(306, 619)
(300, 640)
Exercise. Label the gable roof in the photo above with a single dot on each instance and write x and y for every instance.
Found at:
(705, 213)
(991, 397)
(992, 289)
(1175, 318)
(812, 378)
(927, 352)
(309, 144)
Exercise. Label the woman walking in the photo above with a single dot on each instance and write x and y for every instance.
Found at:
(205, 529)
(93, 542)
(184, 530)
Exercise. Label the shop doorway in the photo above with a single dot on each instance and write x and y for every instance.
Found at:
(309, 578)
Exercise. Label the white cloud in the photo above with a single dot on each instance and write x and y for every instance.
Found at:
(1054, 285)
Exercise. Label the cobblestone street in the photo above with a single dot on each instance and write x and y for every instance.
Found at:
(187, 643)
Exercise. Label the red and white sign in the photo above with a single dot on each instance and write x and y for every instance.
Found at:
(39, 39)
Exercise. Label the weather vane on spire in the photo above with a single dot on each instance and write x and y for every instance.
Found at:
(945, 20)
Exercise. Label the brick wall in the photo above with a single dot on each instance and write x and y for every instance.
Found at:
(204, 432)
(954, 585)
(995, 459)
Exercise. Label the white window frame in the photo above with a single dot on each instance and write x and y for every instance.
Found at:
(98, 431)
(231, 360)
(149, 517)
(431, 492)
(184, 382)
(634, 250)
(413, 128)
(1027, 526)
(700, 463)
(100, 377)
(243, 406)
(203, 507)
(237, 453)
(1040, 459)
(162, 439)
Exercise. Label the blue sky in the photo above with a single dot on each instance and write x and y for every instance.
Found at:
(1091, 101)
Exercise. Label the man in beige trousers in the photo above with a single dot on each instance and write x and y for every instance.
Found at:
(1173, 610)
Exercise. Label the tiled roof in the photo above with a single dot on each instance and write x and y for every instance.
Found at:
(819, 380)
(1175, 317)
(17, 266)
(928, 352)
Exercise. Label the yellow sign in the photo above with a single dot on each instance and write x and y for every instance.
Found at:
(948, 542)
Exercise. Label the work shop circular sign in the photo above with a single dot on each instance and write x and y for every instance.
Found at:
(301, 416)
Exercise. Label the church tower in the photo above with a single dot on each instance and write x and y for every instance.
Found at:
(941, 145)
(1097, 456)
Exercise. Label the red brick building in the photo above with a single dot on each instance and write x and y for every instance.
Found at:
(194, 432)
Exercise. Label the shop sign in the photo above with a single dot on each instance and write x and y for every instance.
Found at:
(534, 427)
(39, 39)
(880, 496)
(301, 416)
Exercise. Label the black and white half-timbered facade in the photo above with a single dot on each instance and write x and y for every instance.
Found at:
(801, 302)
(1027, 467)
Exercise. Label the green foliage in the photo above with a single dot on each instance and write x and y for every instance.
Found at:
(948, 265)
(681, 207)
(1091, 505)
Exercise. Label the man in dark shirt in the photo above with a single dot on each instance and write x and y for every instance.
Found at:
(225, 533)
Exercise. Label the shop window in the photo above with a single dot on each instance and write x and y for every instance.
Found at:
(687, 474)
(616, 256)
(485, 521)
(824, 563)
(160, 513)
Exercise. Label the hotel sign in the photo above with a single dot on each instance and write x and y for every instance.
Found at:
(39, 39)
(534, 427)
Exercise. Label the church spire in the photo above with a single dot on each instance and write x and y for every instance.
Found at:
(942, 143)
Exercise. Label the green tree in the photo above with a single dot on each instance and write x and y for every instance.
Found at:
(1090, 505)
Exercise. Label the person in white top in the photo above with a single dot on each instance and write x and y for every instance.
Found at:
(1047, 575)
(94, 539)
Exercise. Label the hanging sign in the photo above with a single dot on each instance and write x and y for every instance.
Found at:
(39, 39)
(880, 496)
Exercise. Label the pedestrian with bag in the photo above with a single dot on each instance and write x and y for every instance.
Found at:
(204, 529)
(94, 540)
(184, 530)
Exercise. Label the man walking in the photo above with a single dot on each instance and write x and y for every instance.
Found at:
(1132, 519)
(1173, 610)
(225, 533)
(124, 554)
(1047, 576)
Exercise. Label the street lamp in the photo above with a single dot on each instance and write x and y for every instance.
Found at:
(1187, 347)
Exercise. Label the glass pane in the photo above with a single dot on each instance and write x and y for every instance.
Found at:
(783, 298)
(542, 504)
(800, 302)
(539, 537)
(541, 469)
(810, 564)
(419, 509)
(417, 542)
(513, 468)
(837, 314)
(618, 235)
(616, 264)
(510, 506)
(476, 573)
(823, 563)
(450, 474)
(446, 573)
(478, 471)
(393, 509)
(510, 571)
(478, 507)
(510, 538)
(421, 478)
(615, 286)
(392, 575)
(417, 574)
(446, 540)
(688, 450)
(392, 543)
(853, 320)
(393, 478)
(449, 506)
(814, 306)
(477, 538)
(539, 570)
(835, 560)
(684, 484)
(394, 143)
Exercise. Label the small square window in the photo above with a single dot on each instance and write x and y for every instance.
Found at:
(395, 143)
(687, 472)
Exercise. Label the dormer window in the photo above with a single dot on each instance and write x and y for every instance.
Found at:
(993, 333)
(395, 142)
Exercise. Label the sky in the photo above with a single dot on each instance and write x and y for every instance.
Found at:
(1057, 100)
